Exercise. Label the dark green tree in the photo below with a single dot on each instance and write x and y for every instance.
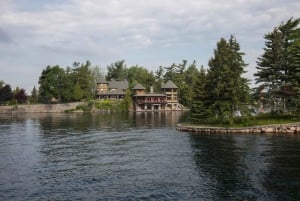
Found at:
(200, 108)
(51, 84)
(78, 93)
(276, 67)
(227, 91)
(138, 74)
(34, 95)
(117, 71)
(6, 93)
(83, 76)
(191, 76)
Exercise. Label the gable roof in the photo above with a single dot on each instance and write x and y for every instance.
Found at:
(118, 84)
(139, 87)
(169, 85)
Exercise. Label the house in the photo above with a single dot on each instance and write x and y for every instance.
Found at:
(112, 90)
(167, 100)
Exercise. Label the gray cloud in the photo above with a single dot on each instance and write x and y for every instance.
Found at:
(4, 37)
(107, 30)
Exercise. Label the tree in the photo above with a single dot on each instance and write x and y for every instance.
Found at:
(83, 75)
(227, 91)
(191, 77)
(277, 68)
(138, 74)
(199, 107)
(117, 71)
(34, 95)
(6, 93)
(51, 83)
(78, 92)
(21, 96)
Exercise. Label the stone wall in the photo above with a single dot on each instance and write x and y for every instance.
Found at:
(36, 108)
(278, 129)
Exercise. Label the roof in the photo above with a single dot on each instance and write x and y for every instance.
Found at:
(118, 84)
(138, 87)
(150, 95)
(169, 85)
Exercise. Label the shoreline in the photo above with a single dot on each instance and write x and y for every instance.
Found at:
(38, 108)
(275, 129)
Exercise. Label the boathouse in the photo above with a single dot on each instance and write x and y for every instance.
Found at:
(167, 100)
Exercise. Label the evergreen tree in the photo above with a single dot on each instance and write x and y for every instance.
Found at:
(34, 95)
(117, 71)
(294, 69)
(199, 108)
(227, 91)
(276, 67)
(83, 76)
(78, 93)
(6, 93)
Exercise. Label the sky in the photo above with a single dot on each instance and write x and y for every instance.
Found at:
(148, 33)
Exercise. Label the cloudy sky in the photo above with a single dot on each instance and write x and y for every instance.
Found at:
(150, 33)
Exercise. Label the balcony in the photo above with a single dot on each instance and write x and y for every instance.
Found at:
(143, 101)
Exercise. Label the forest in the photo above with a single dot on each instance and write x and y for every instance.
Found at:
(219, 91)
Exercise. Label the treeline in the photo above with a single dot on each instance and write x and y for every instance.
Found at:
(79, 81)
(218, 91)
(222, 94)
(9, 96)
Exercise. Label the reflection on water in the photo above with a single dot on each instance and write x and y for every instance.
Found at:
(139, 156)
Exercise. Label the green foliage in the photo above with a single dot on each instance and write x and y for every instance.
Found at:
(70, 84)
(227, 94)
(279, 67)
(78, 92)
(34, 95)
(6, 93)
(185, 78)
(117, 71)
(126, 104)
(199, 108)
(137, 74)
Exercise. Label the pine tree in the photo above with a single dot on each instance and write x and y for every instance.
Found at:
(277, 67)
(227, 91)
(294, 67)
(199, 108)
(34, 95)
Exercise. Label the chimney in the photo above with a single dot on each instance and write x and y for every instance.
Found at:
(151, 90)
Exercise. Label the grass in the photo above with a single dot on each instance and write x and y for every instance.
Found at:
(259, 120)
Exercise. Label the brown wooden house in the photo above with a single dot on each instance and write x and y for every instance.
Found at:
(167, 100)
(112, 90)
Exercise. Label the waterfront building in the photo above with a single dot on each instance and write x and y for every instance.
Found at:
(167, 100)
(111, 90)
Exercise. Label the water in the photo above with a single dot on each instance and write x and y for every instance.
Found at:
(139, 157)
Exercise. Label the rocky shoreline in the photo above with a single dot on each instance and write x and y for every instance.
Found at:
(276, 129)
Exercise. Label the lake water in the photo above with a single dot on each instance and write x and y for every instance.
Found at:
(140, 157)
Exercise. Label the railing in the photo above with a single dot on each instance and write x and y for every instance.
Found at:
(151, 101)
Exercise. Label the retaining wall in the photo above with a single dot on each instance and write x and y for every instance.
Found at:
(39, 108)
(278, 129)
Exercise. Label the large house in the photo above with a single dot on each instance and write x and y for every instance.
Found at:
(112, 90)
(167, 100)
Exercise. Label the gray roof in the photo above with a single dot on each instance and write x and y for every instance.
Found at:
(138, 87)
(169, 85)
(118, 84)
